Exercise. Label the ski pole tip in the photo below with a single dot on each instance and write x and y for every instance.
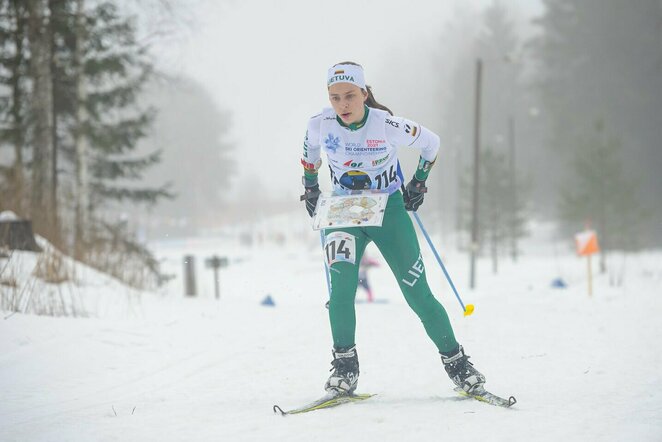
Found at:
(468, 310)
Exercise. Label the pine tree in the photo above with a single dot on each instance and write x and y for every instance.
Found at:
(114, 69)
(76, 75)
(491, 36)
(104, 125)
(601, 195)
(498, 47)
(495, 191)
(117, 69)
(499, 219)
(99, 76)
(95, 75)
(602, 59)
(13, 127)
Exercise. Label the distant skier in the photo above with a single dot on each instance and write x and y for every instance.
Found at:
(360, 138)
(366, 263)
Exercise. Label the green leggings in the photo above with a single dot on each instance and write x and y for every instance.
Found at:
(397, 241)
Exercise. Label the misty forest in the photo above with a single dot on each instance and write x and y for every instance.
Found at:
(569, 132)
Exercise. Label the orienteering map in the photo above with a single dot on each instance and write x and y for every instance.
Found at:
(356, 210)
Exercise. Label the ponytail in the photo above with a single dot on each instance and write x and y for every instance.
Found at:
(370, 101)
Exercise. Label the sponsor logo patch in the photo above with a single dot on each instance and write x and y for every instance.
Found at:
(374, 143)
(351, 163)
(411, 131)
(414, 273)
(332, 143)
(380, 161)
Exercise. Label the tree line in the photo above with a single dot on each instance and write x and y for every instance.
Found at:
(71, 74)
(571, 121)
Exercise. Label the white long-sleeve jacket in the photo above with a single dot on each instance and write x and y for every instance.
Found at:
(364, 155)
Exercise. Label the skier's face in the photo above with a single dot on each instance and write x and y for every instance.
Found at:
(347, 100)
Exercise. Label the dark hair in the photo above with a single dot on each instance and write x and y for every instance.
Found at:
(370, 101)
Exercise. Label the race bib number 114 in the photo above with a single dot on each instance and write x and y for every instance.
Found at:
(340, 247)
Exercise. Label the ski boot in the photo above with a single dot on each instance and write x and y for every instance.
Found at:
(345, 374)
(461, 371)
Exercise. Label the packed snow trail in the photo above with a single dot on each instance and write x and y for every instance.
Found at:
(180, 369)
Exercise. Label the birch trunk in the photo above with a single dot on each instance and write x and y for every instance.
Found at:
(18, 139)
(41, 111)
(81, 142)
(53, 219)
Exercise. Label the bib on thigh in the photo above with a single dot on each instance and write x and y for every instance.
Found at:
(340, 246)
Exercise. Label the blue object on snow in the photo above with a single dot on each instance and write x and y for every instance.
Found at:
(268, 301)
(559, 283)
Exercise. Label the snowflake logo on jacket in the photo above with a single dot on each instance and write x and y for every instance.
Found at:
(332, 143)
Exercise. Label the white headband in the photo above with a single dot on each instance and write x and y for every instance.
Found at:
(346, 73)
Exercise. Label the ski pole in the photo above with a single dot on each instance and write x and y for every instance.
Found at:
(326, 269)
(469, 309)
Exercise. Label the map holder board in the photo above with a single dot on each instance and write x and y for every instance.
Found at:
(359, 209)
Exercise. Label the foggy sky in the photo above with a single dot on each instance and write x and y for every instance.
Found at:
(265, 61)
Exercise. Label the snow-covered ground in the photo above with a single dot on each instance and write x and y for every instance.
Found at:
(171, 368)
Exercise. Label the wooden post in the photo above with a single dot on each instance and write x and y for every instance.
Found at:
(217, 289)
(587, 245)
(215, 263)
(476, 178)
(590, 276)
(189, 276)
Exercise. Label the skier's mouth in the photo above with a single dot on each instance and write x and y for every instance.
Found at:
(345, 115)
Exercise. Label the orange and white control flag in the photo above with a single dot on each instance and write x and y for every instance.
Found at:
(587, 243)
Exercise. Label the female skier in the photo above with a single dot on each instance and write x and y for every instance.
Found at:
(360, 138)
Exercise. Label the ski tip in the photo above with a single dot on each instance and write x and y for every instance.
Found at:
(278, 410)
(361, 396)
(487, 397)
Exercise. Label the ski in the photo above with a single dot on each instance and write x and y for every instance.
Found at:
(487, 397)
(327, 401)
(330, 400)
